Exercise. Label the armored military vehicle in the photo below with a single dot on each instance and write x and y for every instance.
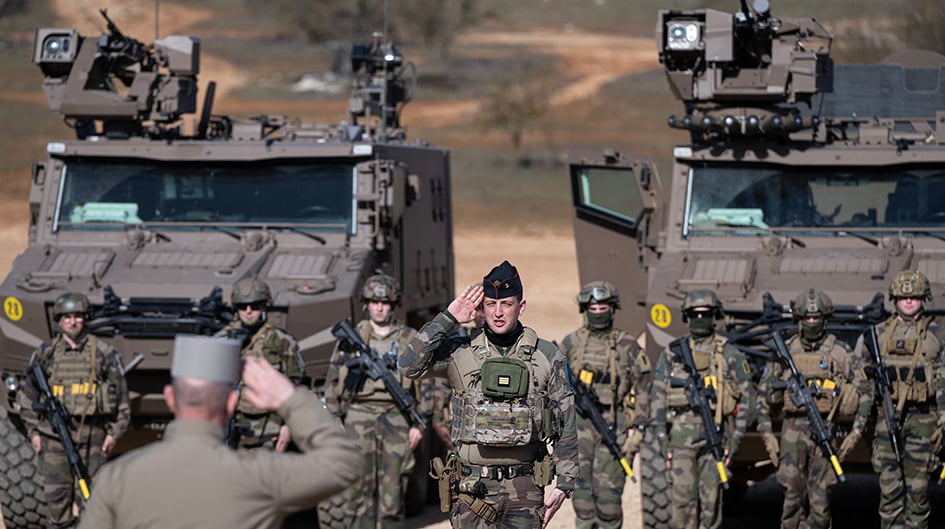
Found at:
(155, 213)
(798, 173)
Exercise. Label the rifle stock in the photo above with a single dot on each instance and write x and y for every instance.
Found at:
(802, 394)
(374, 367)
(588, 405)
(59, 420)
(699, 394)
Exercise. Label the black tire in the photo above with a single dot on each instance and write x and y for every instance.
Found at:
(655, 485)
(21, 489)
(331, 512)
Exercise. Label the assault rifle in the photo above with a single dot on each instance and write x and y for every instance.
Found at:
(700, 392)
(803, 392)
(588, 405)
(59, 420)
(884, 388)
(372, 366)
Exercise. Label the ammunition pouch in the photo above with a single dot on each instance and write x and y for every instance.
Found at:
(829, 390)
(504, 378)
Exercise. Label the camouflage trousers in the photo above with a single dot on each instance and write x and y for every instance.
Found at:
(600, 483)
(904, 491)
(60, 486)
(697, 498)
(806, 477)
(519, 501)
(377, 499)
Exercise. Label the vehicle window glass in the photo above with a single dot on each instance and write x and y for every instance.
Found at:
(612, 192)
(114, 194)
(746, 200)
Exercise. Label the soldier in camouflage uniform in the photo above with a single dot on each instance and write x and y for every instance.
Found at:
(84, 373)
(697, 502)
(368, 410)
(510, 396)
(250, 299)
(610, 361)
(803, 471)
(911, 347)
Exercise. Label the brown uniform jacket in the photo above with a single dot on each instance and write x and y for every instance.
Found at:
(191, 479)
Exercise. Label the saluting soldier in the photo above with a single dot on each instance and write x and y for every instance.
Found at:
(806, 476)
(84, 373)
(610, 361)
(910, 345)
(250, 300)
(192, 479)
(696, 496)
(510, 397)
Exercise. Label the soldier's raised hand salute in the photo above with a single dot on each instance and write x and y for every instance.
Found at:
(463, 308)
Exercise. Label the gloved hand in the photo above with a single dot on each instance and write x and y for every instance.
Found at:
(632, 445)
(771, 446)
(354, 381)
(848, 443)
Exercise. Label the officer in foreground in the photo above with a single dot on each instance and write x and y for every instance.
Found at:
(250, 300)
(803, 472)
(611, 362)
(696, 496)
(192, 479)
(910, 346)
(369, 412)
(84, 373)
(510, 396)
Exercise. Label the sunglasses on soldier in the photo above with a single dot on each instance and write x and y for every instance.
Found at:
(256, 305)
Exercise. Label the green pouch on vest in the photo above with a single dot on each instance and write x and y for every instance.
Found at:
(504, 378)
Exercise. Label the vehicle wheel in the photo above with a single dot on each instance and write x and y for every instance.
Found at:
(331, 512)
(21, 489)
(655, 486)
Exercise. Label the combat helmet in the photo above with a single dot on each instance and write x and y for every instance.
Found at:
(69, 303)
(248, 291)
(812, 303)
(910, 284)
(598, 292)
(702, 298)
(381, 287)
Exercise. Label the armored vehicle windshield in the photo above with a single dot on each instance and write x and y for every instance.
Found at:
(754, 199)
(107, 194)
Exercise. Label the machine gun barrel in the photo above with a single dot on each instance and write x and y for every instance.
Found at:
(880, 376)
(699, 393)
(58, 419)
(802, 394)
(371, 364)
(588, 405)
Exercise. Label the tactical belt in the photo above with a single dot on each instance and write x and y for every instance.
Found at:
(918, 407)
(499, 472)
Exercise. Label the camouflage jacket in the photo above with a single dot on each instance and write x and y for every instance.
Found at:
(590, 351)
(274, 345)
(835, 361)
(426, 357)
(108, 374)
(738, 384)
(393, 344)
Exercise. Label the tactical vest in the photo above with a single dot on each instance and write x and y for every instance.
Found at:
(599, 357)
(387, 348)
(74, 378)
(708, 356)
(267, 344)
(500, 400)
(909, 351)
(818, 367)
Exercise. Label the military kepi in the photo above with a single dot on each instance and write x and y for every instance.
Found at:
(206, 358)
(502, 282)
